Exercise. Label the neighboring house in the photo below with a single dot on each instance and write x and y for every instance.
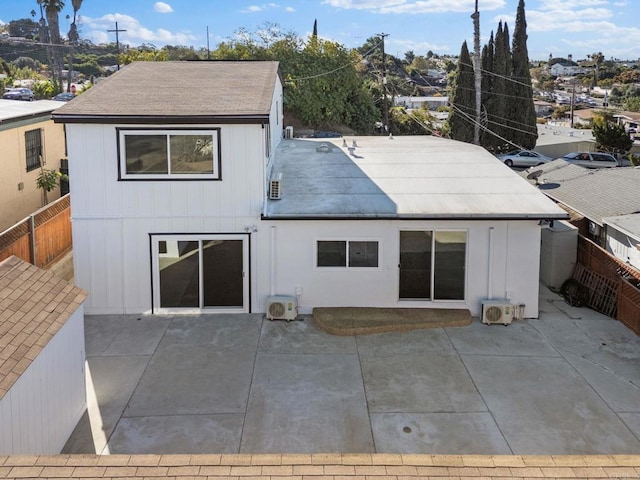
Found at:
(556, 140)
(584, 117)
(560, 69)
(42, 384)
(28, 140)
(628, 119)
(594, 196)
(543, 109)
(430, 103)
(623, 237)
(369, 221)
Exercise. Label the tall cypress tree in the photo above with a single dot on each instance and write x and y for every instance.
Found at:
(486, 138)
(521, 111)
(499, 101)
(463, 99)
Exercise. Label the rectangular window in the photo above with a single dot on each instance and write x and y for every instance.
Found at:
(33, 149)
(169, 154)
(343, 253)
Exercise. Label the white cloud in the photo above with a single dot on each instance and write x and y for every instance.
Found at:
(253, 9)
(96, 30)
(414, 6)
(289, 9)
(162, 7)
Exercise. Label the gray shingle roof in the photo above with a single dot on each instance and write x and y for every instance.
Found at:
(34, 305)
(595, 194)
(178, 89)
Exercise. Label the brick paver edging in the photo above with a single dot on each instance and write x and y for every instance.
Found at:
(324, 466)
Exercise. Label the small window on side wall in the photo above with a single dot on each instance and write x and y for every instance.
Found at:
(33, 149)
(347, 254)
(169, 154)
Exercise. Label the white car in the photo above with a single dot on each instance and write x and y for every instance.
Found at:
(523, 158)
(591, 159)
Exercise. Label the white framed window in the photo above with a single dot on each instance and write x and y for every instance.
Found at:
(358, 253)
(169, 154)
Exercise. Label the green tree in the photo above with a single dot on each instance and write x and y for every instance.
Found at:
(521, 112)
(52, 10)
(632, 104)
(499, 101)
(49, 180)
(24, 27)
(612, 138)
(415, 122)
(463, 99)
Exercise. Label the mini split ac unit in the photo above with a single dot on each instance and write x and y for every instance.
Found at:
(282, 307)
(497, 311)
(275, 187)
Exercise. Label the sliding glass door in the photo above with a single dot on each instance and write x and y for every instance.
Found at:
(432, 265)
(201, 273)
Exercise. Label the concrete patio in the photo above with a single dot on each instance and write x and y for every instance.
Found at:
(567, 383)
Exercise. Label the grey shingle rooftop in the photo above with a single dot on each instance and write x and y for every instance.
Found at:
(595, 194)
(178, 89)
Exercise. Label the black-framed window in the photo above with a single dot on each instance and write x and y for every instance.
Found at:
(33, 148)
(169, 154)
(347, 253)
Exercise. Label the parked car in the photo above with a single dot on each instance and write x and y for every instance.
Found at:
(523, 158)
(64, 97)
(591, 159)
(18, 94)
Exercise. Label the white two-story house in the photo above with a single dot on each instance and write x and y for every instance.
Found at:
(187, 198)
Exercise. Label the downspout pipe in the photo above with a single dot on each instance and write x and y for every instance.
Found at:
(490, 272)
(272, 280)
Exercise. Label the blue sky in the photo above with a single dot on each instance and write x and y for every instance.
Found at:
(560, 27)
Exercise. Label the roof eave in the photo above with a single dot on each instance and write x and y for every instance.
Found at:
(161, 119)
(462, 216)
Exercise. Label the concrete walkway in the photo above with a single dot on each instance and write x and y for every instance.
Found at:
(567, 383)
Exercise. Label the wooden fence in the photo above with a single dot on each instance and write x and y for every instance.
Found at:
(41, 238)
(604, 264)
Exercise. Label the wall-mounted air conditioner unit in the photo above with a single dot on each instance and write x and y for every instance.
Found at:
(497, 311)
(282, 307)
(275, 187)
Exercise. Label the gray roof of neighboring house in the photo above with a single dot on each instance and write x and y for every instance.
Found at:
(14, 110)
(595, 194)
(629, 224)
(179, 91)
(403, 177)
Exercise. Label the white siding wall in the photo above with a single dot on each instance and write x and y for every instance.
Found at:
(514, 269)
(623, 247)
(43, 407)
(112, 220)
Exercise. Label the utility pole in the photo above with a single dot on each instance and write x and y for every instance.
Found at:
(117, 43)
(208, 51)
(385, 108)
(477, 74)
(573, 99)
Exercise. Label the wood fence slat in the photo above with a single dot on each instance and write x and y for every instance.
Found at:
(52, 235)
(617, 280)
